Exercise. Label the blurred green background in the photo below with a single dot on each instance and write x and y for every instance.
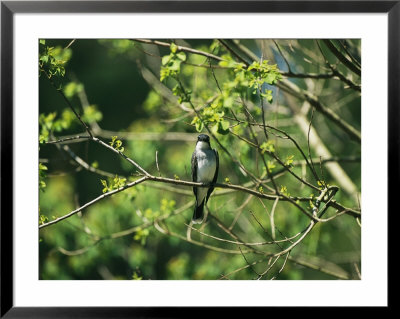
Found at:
(115, 85)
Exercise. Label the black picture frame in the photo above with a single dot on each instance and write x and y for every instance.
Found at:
(9, 8)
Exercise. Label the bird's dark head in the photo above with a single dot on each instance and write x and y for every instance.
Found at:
(203, 138)
(203, 142)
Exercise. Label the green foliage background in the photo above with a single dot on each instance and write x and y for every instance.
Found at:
(114, 85)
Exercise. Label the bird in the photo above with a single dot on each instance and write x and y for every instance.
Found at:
(205, 165)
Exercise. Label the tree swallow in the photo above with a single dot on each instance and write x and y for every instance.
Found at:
(205, 164)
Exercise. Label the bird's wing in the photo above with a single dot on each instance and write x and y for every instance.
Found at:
(194, 172)
(210, 190)
(217, 166)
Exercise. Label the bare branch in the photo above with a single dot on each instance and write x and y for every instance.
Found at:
(180, 48)
(353, 67)
(140, 180)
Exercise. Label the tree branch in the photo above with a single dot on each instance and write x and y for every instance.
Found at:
(354, 68)
(180, 48)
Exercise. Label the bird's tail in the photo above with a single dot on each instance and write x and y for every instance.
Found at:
(198, 213)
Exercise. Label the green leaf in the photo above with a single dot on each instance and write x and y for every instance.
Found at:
(289, 160)
(284, 190)
(270, 166)
(181, 55)
(43, 219)
(223, 127)
(165, 59)
(135, 276)
(113, 138)
(267, 147)
(195, 120)
(42, 176)
(72, 88)
(141, 235)
(174, 65)
(199, 126)
(173, 47)
(44, 58)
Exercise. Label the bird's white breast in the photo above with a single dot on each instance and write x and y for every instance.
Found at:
(206, 168)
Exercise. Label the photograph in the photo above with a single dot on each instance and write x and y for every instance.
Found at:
(199, 159)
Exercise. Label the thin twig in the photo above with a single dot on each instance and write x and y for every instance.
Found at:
(180, 48)
(308, 146)
(140, 180)
(351, 66)
(158, 169)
